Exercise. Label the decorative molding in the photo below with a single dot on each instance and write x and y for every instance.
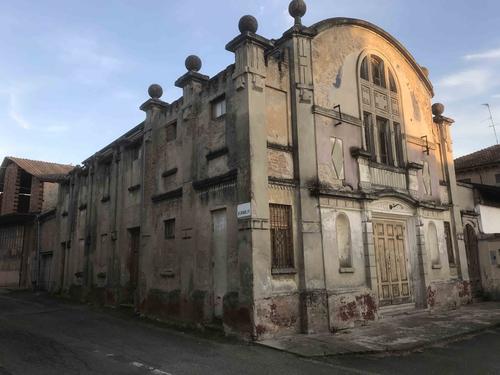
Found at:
(217, 153)
(173, 194)
(169, 172)
(282, 181)
(207, 183)
(134, 187)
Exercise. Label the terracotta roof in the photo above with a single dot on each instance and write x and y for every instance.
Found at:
(41, 169)
(486, 156)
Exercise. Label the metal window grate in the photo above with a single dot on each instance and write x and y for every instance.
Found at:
(169, 228)
(281, 236)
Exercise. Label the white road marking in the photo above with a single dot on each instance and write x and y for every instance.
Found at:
(153, 370)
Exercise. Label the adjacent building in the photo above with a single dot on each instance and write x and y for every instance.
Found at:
(28, 197)
(307, 187)
(480, 167)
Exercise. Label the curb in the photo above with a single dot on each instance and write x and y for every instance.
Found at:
(387, 351)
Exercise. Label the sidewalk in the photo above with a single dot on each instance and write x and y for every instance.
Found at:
(396, 334)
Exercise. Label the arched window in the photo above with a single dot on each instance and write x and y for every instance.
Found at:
(382, 120)
(433, 245)
(343, 232)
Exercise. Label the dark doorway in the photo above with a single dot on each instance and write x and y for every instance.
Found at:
(471, 248)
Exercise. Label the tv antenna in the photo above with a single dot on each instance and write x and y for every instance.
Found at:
(492, 122)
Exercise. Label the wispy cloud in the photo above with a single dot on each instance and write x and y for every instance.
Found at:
(492, 54)
(15, 111)
(89, 60)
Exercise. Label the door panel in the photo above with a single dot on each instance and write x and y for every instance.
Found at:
(471, 247)
(219, 246)
(390, 255)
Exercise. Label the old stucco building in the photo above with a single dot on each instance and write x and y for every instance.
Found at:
(307, 187)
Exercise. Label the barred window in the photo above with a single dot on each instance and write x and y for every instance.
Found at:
(169, 229)
(281, 236)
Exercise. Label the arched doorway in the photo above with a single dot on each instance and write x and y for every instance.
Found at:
(471, 248)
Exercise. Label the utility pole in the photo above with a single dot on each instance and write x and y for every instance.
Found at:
(492, 122)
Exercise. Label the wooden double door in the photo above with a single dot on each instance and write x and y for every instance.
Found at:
(390, 256)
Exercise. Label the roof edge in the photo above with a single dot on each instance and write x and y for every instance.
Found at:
(342, 21)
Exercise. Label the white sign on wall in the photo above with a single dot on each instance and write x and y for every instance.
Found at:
(244, 210)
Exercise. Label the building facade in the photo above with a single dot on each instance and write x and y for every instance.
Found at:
(28, 197)
(308, 187)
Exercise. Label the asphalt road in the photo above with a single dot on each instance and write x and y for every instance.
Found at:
(41, 335)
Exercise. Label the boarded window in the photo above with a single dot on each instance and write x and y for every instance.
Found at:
(218, 107)
(384, 137)
(343, 232)
(337, 158)
(171, 130)
(392, 83)
(433, 245)
(370, 143)
(449, 243)
(378, 73)
(169, 228)
(398, 137)
(281, 236)
(364, 69)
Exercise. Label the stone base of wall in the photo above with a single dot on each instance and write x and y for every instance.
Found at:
(348, 309)
(278, 315)
(448, 294)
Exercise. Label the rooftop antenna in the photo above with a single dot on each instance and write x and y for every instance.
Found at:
(492, 122)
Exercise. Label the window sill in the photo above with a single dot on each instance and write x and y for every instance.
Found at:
(436, 267)
(346, 270)
(387, 167)
(283, 271)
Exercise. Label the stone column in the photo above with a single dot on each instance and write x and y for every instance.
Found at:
(444, 124)
(249, 102)
(155, 110)
(314, 298)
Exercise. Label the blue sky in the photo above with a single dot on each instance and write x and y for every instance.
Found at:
(73, 73)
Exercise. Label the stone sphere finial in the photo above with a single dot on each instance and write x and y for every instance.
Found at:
(437, 109)
(297, 9)
(248, 23)
(155, 91)
(193, 63)
(425, 70)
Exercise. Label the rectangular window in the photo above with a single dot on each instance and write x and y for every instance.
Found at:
(449, 244)
(218, 107)
(497, 178)
(370, 144)
(281, 236)
(398, 138)
(384, 141)
(169, 229)
(171, 130)
(24, 196)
